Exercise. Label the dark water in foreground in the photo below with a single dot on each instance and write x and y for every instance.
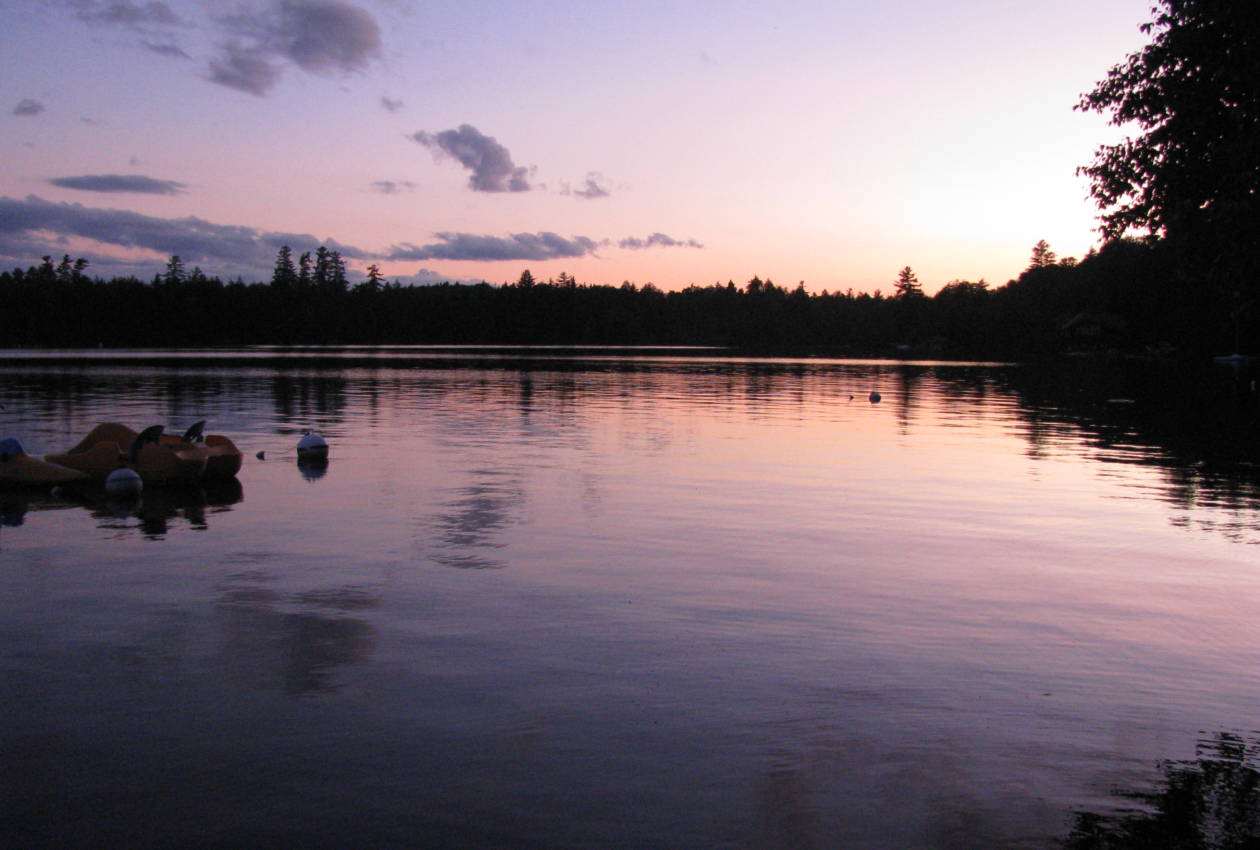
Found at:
(639, 602)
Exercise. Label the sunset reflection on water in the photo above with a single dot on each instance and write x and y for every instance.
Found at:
(641, 601)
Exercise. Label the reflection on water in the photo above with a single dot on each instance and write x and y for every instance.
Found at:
(312, 469)
(465, 534)
(1211, 802)
(295, 643)
(155, 507)
(1198, 427)
(697, 602)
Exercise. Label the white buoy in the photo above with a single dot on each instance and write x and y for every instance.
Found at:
(312, 447)
(875, 397)
(123, 482)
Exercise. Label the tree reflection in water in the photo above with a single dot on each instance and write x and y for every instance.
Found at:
(1209, 803)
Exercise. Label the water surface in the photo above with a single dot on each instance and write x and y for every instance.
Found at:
(656, 600)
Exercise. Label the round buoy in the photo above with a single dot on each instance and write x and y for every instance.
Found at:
(312, 446)
(261, 455)
(875, 397)
(123, 482)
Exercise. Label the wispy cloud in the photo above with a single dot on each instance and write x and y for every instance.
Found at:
(119, 183)
(390, 104)
(173, 51)
(516, 246)
(126, 14)
(246, 69)
(319, 36)
(31, 227)
(657, 240)
(594, 186)
(393, 187)
(27, 106)
(490, 163)
(257, 39)
(36, 226)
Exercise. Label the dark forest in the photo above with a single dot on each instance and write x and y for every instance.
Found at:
(1131, 297)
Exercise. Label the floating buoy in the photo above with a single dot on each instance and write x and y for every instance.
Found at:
(312, 447)
(123, 482)
(261, 455)
(875, 397)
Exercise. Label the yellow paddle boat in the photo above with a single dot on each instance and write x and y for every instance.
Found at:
(223, 458)
(19, 468)
(158, 458)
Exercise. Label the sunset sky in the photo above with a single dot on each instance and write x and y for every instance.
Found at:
(684, 142)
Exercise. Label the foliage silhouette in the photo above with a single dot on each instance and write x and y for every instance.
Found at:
(1126, 297)
(1192, 174)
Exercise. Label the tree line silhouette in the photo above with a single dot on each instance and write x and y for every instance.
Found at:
(1128, 296)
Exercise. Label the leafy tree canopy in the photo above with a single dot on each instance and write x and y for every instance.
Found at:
(1192, 173)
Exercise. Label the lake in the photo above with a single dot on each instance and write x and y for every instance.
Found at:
(555, 599)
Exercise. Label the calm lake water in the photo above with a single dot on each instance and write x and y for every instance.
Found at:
(637, 601)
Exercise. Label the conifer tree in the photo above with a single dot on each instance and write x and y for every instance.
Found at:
(907, 284)
(285, 275)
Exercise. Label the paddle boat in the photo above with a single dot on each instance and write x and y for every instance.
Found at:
(156, 457)
(19, 468)
(223, 458)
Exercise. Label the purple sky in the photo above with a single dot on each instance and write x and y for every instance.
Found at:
(830, 142)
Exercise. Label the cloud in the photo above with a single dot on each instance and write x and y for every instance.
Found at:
(517, 246)
(390, 104)
(657, 240)
(319, 36)
(490, 163)
(256, 39)
(119, 183)
(245, 69)
(593, 187)
(393, 187)
(126, 14)
(27, 106)
(325, 36)
(32, 225)
(428, 277)
(172, 51)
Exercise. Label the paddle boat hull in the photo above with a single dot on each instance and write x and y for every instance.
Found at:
(23, 470)
(170, 460)
(221, 456)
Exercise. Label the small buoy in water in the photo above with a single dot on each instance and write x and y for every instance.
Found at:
(123, 482)
(875, 397)
(312, 446)
(261, 455)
